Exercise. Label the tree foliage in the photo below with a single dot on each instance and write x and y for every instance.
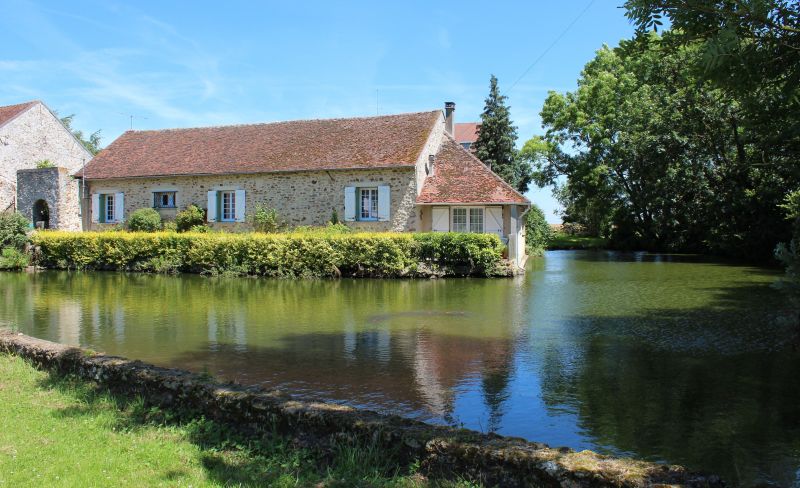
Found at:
(144, 220)
(664, 157)
(91, 143)
(538, 232)
(496, 141)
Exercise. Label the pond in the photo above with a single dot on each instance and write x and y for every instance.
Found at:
(668, 358)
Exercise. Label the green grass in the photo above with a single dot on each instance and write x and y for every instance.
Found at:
(565, 241)
(57, 431)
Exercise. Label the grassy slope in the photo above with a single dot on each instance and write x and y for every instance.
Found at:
(565, 241)
(64, 432)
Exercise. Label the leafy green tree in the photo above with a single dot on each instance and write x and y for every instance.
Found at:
(91, 143)
(664, 156)
(745, 43)
(496, 141)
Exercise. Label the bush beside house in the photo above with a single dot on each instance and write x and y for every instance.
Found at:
(303, 254)
(14, 229)
(538, 233)
(145, 220)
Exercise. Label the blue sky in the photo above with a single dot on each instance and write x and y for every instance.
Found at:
(183, 64)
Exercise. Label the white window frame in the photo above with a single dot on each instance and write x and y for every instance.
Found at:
(372, 211)
(230, 216)
(172, 194)
(468, 225)
(108, 201)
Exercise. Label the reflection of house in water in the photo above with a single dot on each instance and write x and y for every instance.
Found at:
(67, 321)
(442, 363)
(227, 329)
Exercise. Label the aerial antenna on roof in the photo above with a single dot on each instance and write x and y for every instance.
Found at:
(377, 112)
(131, 116)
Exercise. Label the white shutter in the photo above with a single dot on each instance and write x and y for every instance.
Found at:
(239, 210)
(95, 208)
(440, 219)
(493, 224)
(212, 206)
(119, 207)
(384, 203)
(349, 203)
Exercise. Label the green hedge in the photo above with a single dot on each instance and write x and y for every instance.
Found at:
(278, 255)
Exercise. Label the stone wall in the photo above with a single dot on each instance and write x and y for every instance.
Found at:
(57, 188)
(431, 147)
(441, 451)
(301, 198)
(35, 135)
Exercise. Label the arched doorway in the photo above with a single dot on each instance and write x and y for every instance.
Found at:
(41, 215)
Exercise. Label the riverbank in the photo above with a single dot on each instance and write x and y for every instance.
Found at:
(437, 452)
(62, 431)
(563, 241)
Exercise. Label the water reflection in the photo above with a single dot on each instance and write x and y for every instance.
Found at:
(672, 358)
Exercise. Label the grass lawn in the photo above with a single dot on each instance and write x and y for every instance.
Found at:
(58, 431)
(566, 241)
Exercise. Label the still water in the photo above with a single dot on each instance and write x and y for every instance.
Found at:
(667, 358)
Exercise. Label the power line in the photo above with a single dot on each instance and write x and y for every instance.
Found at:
(552, 44)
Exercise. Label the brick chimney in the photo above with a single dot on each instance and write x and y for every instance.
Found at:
(449, 108)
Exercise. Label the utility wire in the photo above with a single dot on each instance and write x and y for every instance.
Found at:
(552, 44)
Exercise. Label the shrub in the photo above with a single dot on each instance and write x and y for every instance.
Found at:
(277, 255)
(170, 227)
(265, 219)
(538, 232)
(12, 258)
(334, 217)
(14, 228)
(45, 163)
(200, 229)
(144, 220)
(193, 216)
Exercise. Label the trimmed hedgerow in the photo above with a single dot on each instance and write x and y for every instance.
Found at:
(306, 254)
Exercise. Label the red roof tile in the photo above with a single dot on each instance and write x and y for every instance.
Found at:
(459, 177)
(369, 142)
(467, 132)
(10, 111)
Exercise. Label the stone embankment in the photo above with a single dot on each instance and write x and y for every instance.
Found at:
(441, 451)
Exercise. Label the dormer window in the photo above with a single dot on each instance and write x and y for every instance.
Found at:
(429, 165)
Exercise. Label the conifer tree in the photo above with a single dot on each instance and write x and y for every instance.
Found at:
(496, 141)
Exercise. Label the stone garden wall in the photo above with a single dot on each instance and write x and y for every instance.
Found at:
(56, 187)
(441, 451)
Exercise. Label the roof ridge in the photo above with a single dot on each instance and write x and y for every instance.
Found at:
(497, 177)
(19, 108)
(280, 122)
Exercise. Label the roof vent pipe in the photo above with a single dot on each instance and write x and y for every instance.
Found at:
(449, 108)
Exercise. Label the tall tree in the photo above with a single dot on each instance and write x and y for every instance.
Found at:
(91, 143)
(670, 160)
(496, 141)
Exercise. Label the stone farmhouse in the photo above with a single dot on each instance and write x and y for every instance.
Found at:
(29, 133)
(386, 173)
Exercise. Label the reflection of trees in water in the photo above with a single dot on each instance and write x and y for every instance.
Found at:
(724, 399)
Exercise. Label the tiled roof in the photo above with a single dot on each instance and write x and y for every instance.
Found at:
(461, 178)
(369, 142)
(467, 132)
(10, 111)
